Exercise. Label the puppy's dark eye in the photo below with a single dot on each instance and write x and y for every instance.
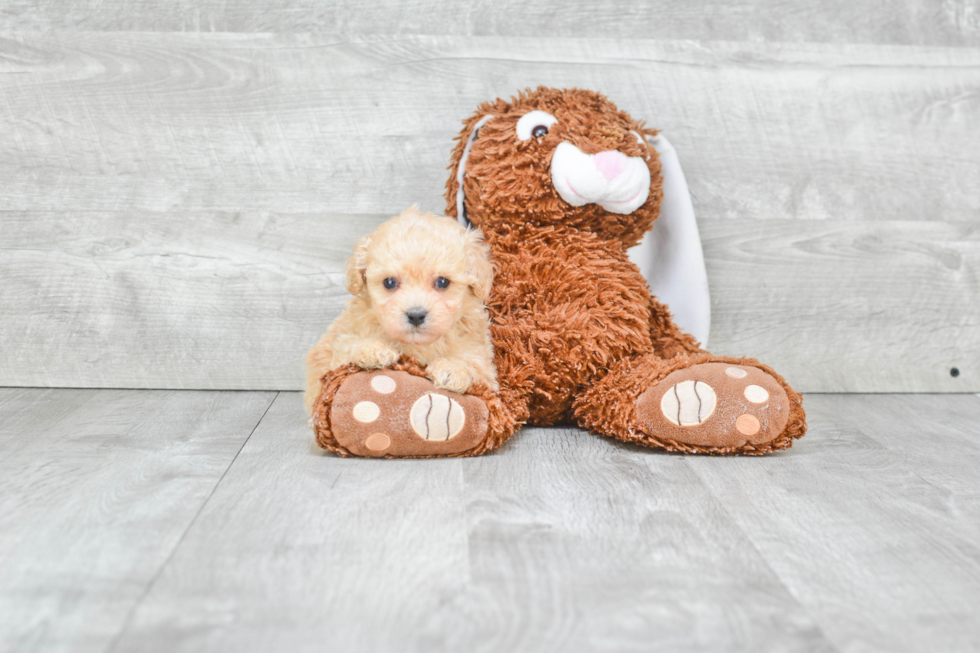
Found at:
(539, 131)
(390, 283)
(442, 283)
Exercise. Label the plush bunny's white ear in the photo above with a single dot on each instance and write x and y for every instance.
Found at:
(461, 172)
(670, 255)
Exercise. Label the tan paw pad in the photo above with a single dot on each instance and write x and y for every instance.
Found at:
(437, 417)
(689, 403)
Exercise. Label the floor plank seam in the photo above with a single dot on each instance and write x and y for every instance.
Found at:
(816, 623)
(149, 586)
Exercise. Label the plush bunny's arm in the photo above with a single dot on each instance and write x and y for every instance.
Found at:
(670, 255)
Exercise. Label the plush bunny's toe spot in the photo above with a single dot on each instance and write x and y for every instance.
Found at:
(756, 394)
(383, 384)
(716, 406)
(736, 372)
(366, 412)
(747, 424)
(437, 417)
(688, 403)
(377, 442)
(393, 413)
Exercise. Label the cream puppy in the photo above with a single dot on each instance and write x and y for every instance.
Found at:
(419, 282)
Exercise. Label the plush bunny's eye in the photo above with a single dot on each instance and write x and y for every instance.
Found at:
(534, 123)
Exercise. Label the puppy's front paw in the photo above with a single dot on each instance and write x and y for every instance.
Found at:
(449, 374)
(373, 353)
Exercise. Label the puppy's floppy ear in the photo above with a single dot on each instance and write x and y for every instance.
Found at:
(479, 272)
(357, 266)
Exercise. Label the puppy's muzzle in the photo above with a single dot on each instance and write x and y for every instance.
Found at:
(416, 316)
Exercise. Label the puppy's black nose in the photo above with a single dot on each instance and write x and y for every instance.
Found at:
(416, 316)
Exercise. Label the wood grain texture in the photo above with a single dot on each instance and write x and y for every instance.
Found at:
(560, 542)
(299, 123)
(222, 300)
(234, 300)
(579, 543)
(302, 551)
(872, 525)
(841, 306)
(916, 22)
(177, 207)
(96, 490)
(860, 538)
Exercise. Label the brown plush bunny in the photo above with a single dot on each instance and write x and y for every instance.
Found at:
(562, 183)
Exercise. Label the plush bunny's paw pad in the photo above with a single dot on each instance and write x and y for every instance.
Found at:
(389, 413)
(715, 405)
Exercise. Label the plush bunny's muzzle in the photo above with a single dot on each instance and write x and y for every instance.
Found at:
(618, 183)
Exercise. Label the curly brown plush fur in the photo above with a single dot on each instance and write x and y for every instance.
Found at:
(573, 324)
(509, 181)
(576, 334)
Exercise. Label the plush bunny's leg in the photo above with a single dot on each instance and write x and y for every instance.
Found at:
(695, 403)
(398, 413)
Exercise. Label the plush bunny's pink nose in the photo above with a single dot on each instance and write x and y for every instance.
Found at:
(610, 163)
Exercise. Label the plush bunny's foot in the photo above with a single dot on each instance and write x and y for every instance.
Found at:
(695, 403)
(717, 406)
(396, 414)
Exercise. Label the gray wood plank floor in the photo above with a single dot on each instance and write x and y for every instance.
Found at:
(207, 521)
(96, 490)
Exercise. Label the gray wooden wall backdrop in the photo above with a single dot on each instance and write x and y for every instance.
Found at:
(180, 182)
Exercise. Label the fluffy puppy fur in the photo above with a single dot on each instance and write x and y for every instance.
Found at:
(419, 283)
